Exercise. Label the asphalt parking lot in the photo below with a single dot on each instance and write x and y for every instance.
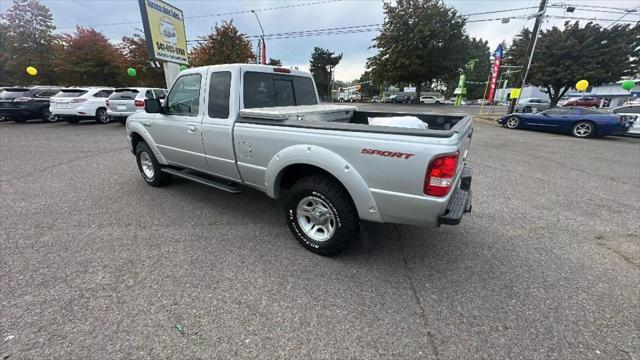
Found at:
(97, 264)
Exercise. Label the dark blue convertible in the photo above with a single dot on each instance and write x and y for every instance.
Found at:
(577, 121)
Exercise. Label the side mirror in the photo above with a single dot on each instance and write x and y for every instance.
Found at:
(152, 106)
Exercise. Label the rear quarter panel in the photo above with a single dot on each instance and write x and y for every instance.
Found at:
(384, 188)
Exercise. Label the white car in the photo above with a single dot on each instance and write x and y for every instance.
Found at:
(126, 101)
(75, 104)
(632, 102)
(431, 100)
(632, 113)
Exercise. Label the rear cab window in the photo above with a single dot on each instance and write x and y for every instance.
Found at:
(268, 90)
(124, 94)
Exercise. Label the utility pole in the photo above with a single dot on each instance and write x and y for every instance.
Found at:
(263, 50)
(530, 50)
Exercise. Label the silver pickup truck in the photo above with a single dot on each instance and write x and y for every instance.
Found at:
(229, 126)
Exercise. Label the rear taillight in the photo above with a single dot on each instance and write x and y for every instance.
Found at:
(440, 173)
(139, 103)
(106, 103)
(78, 100)
(22, 99)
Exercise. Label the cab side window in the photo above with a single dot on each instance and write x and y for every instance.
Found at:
(219, 92)
(184, 97)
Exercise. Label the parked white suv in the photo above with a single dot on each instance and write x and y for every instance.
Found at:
(431, 100)
(126, 101)
(75, 104)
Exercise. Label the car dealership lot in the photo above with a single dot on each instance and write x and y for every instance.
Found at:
(97, 264)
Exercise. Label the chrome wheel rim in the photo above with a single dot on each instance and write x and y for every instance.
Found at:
(512, 122)
(147, 165)
(582, 130)
(316, 219)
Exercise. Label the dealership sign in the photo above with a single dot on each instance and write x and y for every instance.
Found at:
(164, 30)
(495, 71)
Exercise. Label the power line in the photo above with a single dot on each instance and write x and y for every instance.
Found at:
(216, 15)
(375, 27)
(613, 23)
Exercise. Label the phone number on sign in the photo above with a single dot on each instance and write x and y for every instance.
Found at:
(170, 48)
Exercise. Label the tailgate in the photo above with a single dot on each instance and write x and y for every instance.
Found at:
(465, 132)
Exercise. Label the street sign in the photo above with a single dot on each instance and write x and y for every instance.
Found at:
(515, 93)
(164, 30)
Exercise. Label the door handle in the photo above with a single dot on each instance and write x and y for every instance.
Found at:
(191, 128)
(146, 123)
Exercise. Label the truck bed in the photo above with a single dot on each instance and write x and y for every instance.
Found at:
(441, 126)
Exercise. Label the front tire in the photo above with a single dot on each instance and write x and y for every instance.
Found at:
(583, 129)
(321, 215)
(149, 166)
(513, 122)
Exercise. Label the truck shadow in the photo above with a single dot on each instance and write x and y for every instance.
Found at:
(252, 207)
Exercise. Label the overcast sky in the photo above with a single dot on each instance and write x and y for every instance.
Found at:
(296, 52)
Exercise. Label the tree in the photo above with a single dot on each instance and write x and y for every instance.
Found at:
(274, 62)
(564, 56)
(134, 50)
(321, 65)
(88, 58)
(27, 39)
(421, 41)
(225, 45)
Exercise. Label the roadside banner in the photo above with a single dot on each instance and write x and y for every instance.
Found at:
(164, 30)
(495, 71)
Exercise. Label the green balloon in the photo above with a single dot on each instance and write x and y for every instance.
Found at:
(628, 84)
(183, 67)
(132, 72)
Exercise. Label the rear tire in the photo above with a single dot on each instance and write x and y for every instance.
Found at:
(321, 215)
(102, 117)
(45, 115)
(149, 167)
(583, 129)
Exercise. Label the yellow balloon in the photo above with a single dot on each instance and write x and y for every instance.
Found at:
(32, 71)
(582, 85)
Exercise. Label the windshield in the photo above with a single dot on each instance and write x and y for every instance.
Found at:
(124, 94)
(70, 93)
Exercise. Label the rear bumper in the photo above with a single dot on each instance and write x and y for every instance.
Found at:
(122, 114)
(460, 201)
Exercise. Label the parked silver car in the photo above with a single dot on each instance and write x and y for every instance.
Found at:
(528, 105)
(126, 101)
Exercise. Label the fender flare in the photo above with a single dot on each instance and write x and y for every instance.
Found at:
(138, 129)
(330, 162)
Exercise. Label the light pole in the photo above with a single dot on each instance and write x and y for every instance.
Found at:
(263, 52)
